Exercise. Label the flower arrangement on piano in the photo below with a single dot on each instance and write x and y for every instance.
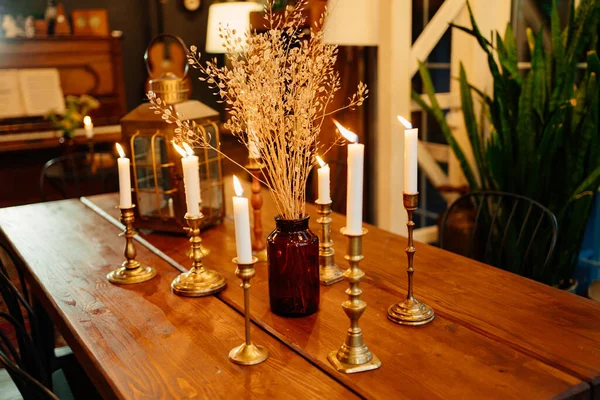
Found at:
(277, 92)
(76, 109)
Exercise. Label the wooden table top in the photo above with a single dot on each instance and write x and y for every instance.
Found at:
(496, 335)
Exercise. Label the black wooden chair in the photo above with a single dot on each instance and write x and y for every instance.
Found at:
(505, 230)
(27, 344)
(79, 174)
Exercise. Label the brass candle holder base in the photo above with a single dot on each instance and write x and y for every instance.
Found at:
(329, 272)
(354, 355)
(410, 311)
(247, 353)
(198, 281)
(131, 271)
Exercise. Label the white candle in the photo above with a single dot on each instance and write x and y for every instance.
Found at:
(124, 179)
(241, 217)
(354, 198)
(411, 137)
(190, 153)
(323, 180)
(191, 181)
(89, 127)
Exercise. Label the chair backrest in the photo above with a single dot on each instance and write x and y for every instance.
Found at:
(79, 174)
(23, 365)
(505, 230)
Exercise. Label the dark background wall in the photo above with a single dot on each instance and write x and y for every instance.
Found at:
(138, 20)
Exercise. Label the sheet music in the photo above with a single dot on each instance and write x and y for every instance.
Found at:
(41, 91)
(11, 102)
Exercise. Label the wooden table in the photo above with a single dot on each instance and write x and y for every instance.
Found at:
(496, 335)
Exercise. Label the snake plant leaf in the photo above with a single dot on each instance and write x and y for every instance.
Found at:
(507, 53)
(437, 112)
(472, 33)
(558, 50)
(538, 68)
(471, 121)
(593, 62)
(483, 42)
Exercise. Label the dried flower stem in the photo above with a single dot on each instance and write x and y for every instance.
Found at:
(277, 92)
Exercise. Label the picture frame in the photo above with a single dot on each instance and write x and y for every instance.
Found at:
(90, 22)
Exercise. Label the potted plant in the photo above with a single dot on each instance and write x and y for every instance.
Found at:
(76, 109)
(539, 134)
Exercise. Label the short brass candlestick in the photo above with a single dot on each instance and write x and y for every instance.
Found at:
(354, 355)
(259, 246)
(247, 353)
(198, 281)
(410, 311)
(131, 271)
(329, 272)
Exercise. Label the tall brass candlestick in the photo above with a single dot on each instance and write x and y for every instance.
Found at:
(410, 311)
(259, 246)
(247, 353)
(131, 271)
(354, 355)
(329, 272)
(198, 281)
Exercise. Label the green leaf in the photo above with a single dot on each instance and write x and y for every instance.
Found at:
(538, 69)
(437, 112)
(471, 123)
(471, 32)
(507, 54)
(558, 50)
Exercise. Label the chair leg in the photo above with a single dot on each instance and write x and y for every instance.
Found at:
(44, 338)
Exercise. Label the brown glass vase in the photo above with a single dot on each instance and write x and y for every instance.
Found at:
(293, 260)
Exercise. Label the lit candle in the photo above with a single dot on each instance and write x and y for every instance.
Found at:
(190, 153)
(241, 218)
(323, 180)
(191, 181)
(124, 179)
(354, 198)
(411, 137)
(89, 127)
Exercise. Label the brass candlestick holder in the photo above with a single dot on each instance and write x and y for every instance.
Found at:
(198, 281)
(247, 353)
(329, 272)
(354, 355)
(410, 311)
(205, 251)
(259, 246)
(131, 271)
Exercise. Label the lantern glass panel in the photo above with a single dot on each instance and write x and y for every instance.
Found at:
(153, 176)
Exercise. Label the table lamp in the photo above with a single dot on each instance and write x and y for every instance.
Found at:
(235, 15)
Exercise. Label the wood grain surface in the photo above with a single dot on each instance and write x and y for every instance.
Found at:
(498, 334)
(141, 341)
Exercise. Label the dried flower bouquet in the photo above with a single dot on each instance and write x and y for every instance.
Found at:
(277, 92)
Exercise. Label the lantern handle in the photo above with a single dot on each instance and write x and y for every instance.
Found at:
(159, 38)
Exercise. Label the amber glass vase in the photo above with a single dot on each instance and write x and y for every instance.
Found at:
(293, 258)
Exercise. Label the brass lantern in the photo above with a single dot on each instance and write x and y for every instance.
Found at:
(157, 171)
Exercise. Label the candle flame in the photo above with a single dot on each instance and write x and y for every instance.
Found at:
(179, 149)
(404, 122)
(237, 186)
(351, 136)
(87, 120)
(120, 150)
(320, 161)
(188, 149)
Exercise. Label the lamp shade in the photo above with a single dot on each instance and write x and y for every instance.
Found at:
(352, 23)
(234, 15)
